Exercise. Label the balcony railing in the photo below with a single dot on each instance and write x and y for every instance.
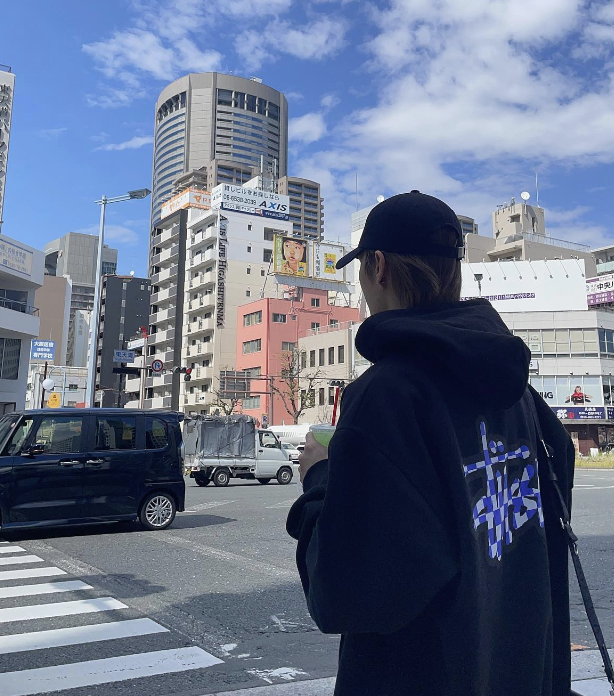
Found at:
(17, 306)
(331, 327)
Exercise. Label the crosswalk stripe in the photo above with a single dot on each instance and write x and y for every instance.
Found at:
(11, 549)
(78, 635)
(28, 682)
(20, 559)
(30, 573)
(43, 588)
(44, 611)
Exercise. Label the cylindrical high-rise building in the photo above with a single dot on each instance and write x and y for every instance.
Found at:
(208, 116)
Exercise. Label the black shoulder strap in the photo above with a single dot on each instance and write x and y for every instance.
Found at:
(572, 542)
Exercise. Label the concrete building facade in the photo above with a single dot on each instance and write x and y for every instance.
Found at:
(203, 117)
(306, 206)
(69, 382)
(53, 302)
(75, 256)
(21, 274)
(124, 310)
(270, 329)
(204, 265)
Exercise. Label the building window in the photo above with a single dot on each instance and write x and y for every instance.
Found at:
(341, 355)
(269, 235)
(251, 402)
(248, 293)
(303, 359)
(224, 97)
(249, 249)
(252, 318)
(333, 322)
(279, 318)
(252, 346)
(73, 387)
(315, 301)
(331, 355)
(293, 317)
(10, 350)
(321, 355)
(249, 225)
(315, 325)
(331, 396)
(262, 272)
(321, 396)
(267, 255)
(288, 346)
(312, 358)
(249, 270)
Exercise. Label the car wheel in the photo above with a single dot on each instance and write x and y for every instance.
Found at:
(158, 511)
(221, 477)
(202, 480)
(284, 475)
(264, 481)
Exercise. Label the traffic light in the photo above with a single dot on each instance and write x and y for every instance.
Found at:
(188, 374)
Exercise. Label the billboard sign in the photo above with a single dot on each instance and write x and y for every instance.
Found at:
(190, 198)
(7, 86)
(324, 259)
(251, 201)
(527, 286)
(291, 256)
(15, 257)
(600, 290)
(576, 413)
(42, 350)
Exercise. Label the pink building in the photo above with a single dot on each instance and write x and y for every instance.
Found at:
(268, 327)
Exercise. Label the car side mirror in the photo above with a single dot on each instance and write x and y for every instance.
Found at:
(33, 451)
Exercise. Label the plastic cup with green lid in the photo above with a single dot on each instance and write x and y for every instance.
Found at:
(323, 433)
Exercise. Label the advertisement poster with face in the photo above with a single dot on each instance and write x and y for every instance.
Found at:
(291, 257)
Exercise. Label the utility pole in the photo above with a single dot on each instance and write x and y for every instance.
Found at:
(43, 388)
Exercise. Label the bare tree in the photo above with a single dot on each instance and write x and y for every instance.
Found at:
(227, 404)
(295, 385)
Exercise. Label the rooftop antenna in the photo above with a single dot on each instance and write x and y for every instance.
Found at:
(536, 188)
(357, 189)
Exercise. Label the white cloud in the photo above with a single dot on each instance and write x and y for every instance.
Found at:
(134, 143)
(294, 96)
(466, 86)
(307, 129)
(117, 234)
(316, 40)
(99, 137)
(51, 133)
(329, 101)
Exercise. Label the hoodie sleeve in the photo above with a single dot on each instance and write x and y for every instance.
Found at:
(372, 551)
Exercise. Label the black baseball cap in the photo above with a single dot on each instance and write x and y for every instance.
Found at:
(405, 224)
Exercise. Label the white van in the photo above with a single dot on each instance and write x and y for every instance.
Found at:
(292, 434)
(218, 448)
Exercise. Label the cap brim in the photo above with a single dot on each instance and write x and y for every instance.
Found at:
(348, 258)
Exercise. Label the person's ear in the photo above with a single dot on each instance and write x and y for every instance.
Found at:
(380, 268)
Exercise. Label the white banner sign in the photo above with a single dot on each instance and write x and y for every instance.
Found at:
(324, 258)
(15, 257)
(527, 286)
(7, 86)
(191, 198)
(251, 201)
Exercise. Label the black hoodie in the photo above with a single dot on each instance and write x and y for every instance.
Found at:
(427, 539)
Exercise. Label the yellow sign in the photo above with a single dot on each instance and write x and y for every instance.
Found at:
(54, 401)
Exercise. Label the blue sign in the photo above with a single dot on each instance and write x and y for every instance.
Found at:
(123, 356)
(579, 413)
(42, 350)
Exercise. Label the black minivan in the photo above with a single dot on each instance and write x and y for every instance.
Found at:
(82, 465)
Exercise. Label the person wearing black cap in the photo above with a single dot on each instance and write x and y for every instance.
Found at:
(427, 536)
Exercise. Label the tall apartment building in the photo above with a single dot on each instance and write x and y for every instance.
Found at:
(75, 256)
(204, 265)
(124, 309)
(205, 118)
(7, 87)
(21, 273)
(306, 206)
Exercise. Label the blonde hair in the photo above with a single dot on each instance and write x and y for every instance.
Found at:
(419, 281)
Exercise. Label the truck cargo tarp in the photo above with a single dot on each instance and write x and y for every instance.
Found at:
(220, 436)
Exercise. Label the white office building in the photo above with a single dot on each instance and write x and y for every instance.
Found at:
(21, 273)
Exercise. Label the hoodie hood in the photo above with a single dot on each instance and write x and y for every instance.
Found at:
(466, 341)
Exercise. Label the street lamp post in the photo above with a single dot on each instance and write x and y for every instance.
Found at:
(94, 323)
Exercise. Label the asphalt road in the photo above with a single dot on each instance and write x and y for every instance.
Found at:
(213, 604)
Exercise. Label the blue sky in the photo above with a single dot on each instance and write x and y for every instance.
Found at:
(464, 99)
